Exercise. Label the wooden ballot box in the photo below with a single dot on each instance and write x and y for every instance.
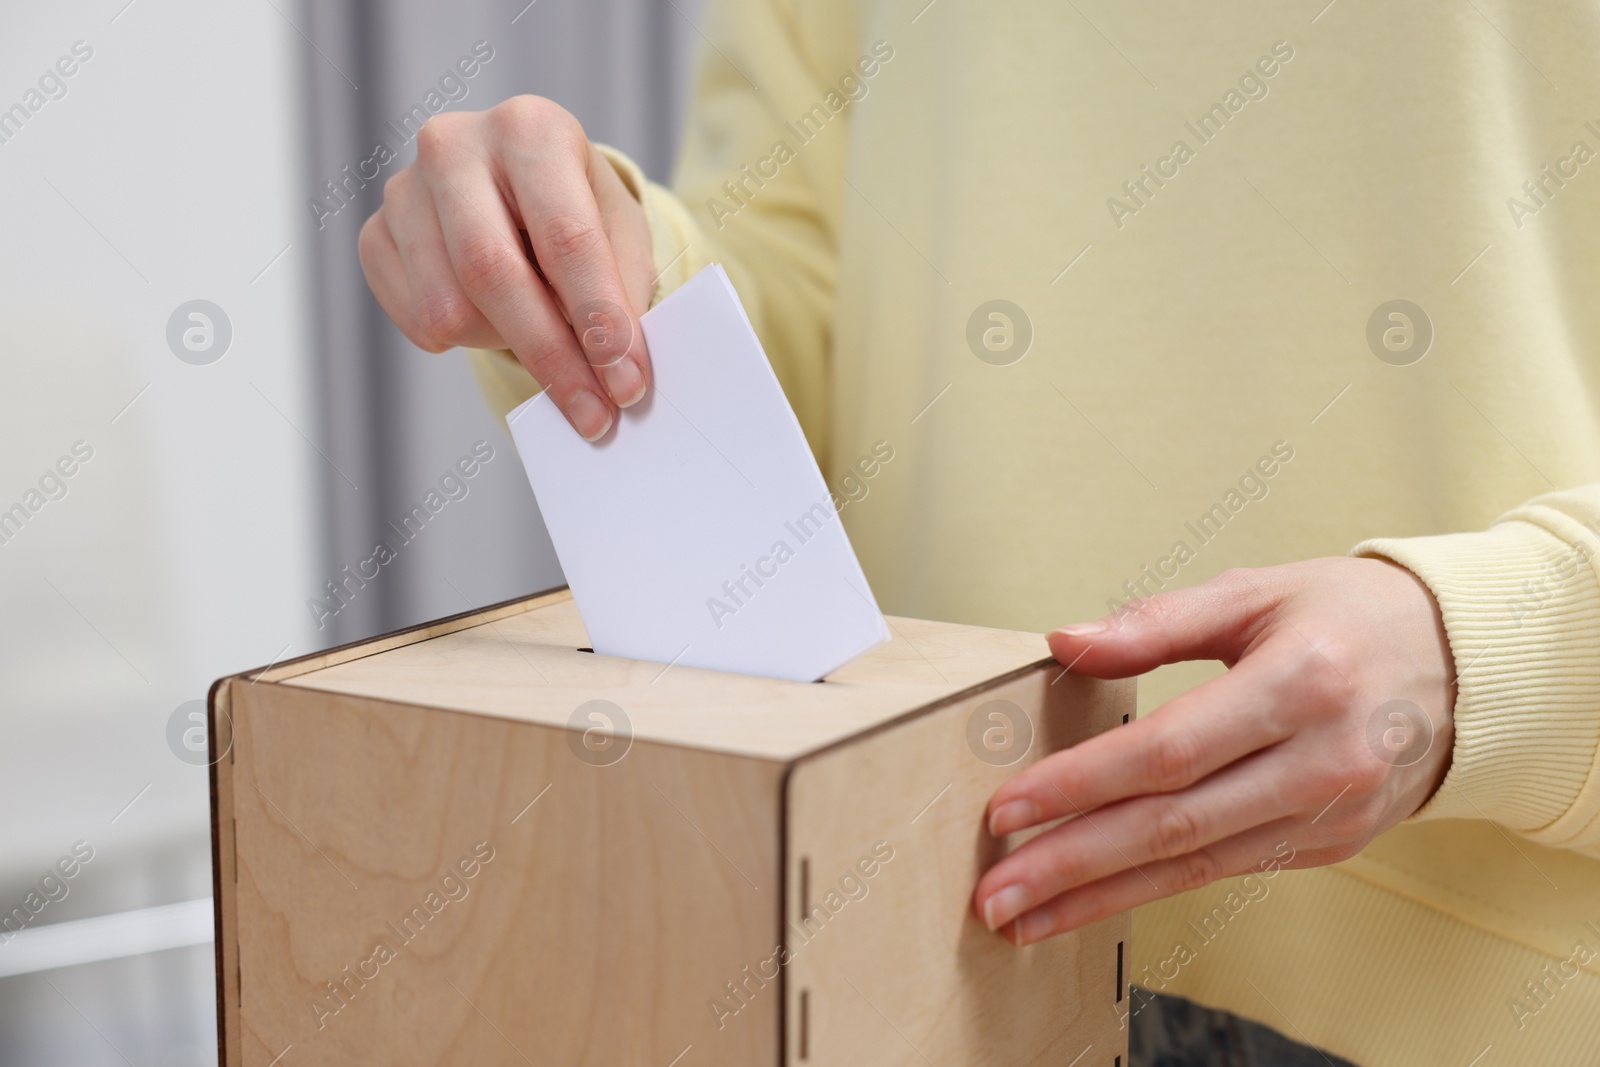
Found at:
(476, 842)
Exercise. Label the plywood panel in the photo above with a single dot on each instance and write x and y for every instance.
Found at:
(400, 638)
(224, 867)
(902, 972)
(525, 666)
(613, 907)
(623, 903)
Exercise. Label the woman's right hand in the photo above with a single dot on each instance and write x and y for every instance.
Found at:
(445, 258)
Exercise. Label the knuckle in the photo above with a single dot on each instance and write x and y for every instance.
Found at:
(1235, 578)
(520, 110)
(1058, 869)
(397, 185)
(569, 237)
(1367, 773)
(1234, 586)
(367, 240)
(486, 264)
(1156, 610)
(1347, 829)
(443, 317)
(1173, 762)
(1338, 801)
(1338, 661)
(1319, 672)
(553, 370)
(1176, 832)
(422, 340)
(528, 112)
(1194, 871)
(1056, 783)
(1245, 590)
(436, 138)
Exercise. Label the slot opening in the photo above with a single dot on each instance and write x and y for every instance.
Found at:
(805, 1024)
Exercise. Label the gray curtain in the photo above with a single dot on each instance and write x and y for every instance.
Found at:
(394, 419)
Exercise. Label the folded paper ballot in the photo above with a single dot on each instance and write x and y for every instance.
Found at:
(699, 531)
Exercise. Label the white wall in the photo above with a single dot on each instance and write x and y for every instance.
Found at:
(169, 171)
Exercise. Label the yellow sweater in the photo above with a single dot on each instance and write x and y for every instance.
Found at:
(1203, 213)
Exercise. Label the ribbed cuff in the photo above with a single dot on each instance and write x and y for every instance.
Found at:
(1521, 608)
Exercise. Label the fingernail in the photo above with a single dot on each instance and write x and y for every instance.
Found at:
(1005, 905)
(1035, 926)
(1083, 629)
(1012, 816)
(589, 415)
(624, 381)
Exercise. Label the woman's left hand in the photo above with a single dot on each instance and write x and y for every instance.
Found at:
(1332, 724)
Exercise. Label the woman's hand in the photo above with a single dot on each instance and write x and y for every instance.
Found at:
(1332, 724)
(445, 258)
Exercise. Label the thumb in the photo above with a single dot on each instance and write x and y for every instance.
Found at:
(1217, 620)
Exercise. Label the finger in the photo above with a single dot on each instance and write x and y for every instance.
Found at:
(1186, 739)
(439, 306)
(486, 252)
(386, 276)
(627, 229)
(549, 179)
(1217, 619)
(1262, 851)
(1138, 833)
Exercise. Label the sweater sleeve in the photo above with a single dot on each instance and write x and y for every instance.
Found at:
(1521, 609)
(748, 192)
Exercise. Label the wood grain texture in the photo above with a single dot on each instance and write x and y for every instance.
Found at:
(611, 910)
(905, 974)
(400, 638)
(526, 666)
(630, 912)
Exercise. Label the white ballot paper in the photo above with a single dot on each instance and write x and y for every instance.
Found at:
(699, 530)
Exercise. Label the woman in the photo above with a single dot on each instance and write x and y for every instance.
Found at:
(1142, 296)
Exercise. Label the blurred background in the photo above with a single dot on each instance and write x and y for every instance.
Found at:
(206, 416)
